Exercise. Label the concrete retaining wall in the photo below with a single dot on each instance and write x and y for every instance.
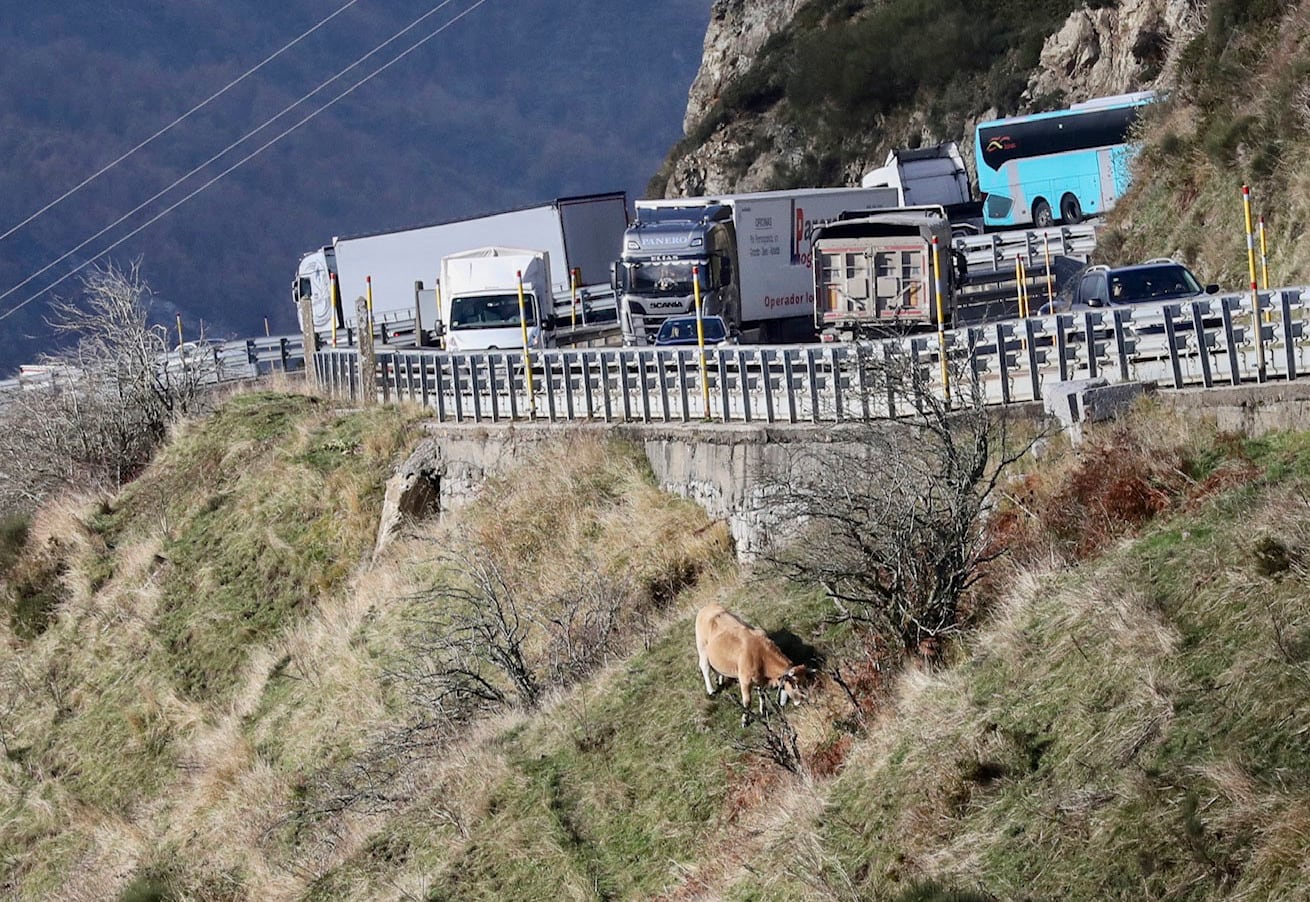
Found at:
(725, 468)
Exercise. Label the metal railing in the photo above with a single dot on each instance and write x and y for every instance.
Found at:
(1206, 342)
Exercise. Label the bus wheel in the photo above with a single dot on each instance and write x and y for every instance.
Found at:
(1071, 212)
(1042, 217)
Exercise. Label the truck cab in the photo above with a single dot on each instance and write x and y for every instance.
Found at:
(665, 253)
(314, 280)
(480, 297)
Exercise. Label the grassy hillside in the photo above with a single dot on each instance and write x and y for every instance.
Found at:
(221, 695)
(1240, 113)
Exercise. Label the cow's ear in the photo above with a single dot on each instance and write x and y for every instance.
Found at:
(799, 672)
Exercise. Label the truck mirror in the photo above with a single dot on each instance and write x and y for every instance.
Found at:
(615, 278)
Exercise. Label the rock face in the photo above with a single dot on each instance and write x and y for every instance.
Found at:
(737, 30)
(1113, 50)
(1110, 50)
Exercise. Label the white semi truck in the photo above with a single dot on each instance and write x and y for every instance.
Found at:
(480, 301)
(924, 175)
(578, 233)
(750, 253)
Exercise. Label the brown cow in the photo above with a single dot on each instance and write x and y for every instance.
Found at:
(734, 649)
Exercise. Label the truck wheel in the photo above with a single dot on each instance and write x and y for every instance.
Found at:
(1042, 217)
(1071, 212)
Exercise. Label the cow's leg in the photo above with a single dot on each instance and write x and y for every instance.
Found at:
(705, 671)
(746, 702)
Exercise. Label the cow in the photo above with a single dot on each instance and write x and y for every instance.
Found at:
(734, 649)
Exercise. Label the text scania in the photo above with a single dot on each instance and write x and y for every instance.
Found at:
(789, 300)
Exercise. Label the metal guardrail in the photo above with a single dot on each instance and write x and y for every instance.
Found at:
(1206, 342)
(998, 251)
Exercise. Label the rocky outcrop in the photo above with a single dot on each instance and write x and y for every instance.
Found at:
(1113, 50)
(737, 30)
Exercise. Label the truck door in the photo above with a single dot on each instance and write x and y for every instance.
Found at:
(899, 280)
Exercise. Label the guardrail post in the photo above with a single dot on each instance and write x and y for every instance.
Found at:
(723, 384)
(1230, 340)
(1289, 340)
(1003, 355)
(309, 337)
(1091, 319)
(284, 354)
(367, 358)
(1202, 347)
(1171, 336)
(1035, 377)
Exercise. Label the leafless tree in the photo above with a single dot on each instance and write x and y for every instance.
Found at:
(478, 644)
(893, 508)
(109, 399)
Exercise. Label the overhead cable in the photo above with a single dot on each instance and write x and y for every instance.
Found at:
(167, 128)
(161, 214)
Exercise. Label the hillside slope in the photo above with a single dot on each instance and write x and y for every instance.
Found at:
(211, 691)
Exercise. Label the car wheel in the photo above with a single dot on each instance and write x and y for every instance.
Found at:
(1042, 217)
(1071, 212)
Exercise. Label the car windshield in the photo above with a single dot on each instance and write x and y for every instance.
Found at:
(670, 278)
(491, 311)
(1152, 284)
(682, 330)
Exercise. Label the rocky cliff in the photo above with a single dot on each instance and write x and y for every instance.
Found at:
(758, 117)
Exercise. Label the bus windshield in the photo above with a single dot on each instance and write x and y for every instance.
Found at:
(1058, 166)
(665, 278)
(491, 311)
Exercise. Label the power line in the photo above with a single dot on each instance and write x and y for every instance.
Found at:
(237, 143)
(208, 100)
(162, 213)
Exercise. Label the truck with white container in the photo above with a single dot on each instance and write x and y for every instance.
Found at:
(748, 253)
(880, 272)
(579, 234)
(492, 297)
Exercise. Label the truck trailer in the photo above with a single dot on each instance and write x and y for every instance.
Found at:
(749, 253)
(879, 272)
(481, 304)
(578, 233)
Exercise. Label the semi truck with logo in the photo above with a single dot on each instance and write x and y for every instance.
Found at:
(747, 256)
(578, 233)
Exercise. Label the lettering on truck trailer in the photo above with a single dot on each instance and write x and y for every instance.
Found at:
(801, 238)
(789, 300)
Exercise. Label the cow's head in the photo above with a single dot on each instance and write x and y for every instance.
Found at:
(792, 683)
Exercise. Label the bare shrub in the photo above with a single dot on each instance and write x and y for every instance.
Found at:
(110, 399)
(894, 508)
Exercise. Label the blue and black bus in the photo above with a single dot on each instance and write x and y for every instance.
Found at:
(1065, 165)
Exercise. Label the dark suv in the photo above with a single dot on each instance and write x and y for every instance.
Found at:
(1153, 281)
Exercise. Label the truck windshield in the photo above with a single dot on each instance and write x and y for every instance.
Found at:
(491, 311)
(671, 278)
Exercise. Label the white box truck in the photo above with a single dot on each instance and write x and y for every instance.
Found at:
(579, 233)
(751, 254)
(480, 301)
